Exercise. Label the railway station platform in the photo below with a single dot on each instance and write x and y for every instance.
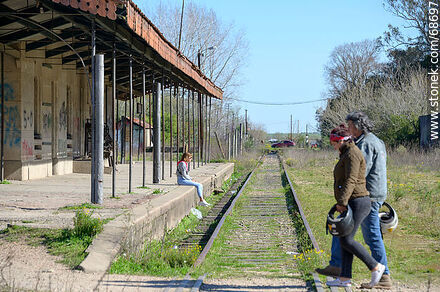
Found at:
(143, 213)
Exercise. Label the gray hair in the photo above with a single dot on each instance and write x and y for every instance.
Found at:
(360, 121)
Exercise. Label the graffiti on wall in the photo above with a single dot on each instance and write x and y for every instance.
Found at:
(12, 131)
(28, 119)
(47, 122)
(12, 118)
(63, 116)
(26, 148)
(9, 92)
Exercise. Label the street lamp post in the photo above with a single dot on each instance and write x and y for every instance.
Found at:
(200, 53)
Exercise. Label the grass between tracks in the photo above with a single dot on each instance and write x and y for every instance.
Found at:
(163, 257)
(218, 265)
(413, 250)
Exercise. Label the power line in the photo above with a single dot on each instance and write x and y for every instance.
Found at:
(275, 104)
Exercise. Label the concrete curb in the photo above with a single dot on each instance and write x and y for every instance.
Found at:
(149, 221)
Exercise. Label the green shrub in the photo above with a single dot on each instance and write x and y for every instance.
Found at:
(85, 225)
(401, 130)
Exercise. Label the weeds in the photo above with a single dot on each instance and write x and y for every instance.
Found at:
(71, 244)
(161, 257)
(308, 260)
(158, 260)
(158, 191)
(85, 225)
(5, 182)
(82, 206)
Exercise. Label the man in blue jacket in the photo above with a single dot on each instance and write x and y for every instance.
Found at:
(374, 152)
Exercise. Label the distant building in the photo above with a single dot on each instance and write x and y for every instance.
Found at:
(123, 135)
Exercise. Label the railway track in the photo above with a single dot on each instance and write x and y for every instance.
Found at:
(260, 237)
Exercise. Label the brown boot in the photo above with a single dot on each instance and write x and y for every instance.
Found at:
(384, 283)
(331, 271)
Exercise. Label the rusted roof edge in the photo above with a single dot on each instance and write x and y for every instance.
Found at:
(144, 28)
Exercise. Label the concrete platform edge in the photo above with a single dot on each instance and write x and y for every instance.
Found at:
(130, 231)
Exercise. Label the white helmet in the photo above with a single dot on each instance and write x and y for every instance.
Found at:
(388, 220)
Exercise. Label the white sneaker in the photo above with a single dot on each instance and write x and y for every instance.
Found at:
(204, 203)
(338, 283)
(376, 275)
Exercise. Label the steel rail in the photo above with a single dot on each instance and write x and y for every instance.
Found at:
(316, 280)
(300, 209)
(220, 224)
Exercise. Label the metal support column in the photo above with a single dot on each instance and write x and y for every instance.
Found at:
(183, 119)
(194, 127)
(93, 142)
(206, 131)
(163, 126)
(150, 97)
(130, 170)
(209, 131)
(124, 132)
(117, 138)
(176, 91)
(136, 103)
(98, 165)
(171, 132)
(189, 126)
(143, 128)
(199, 129)
(2, 135)
(114, 121)
(157, 87)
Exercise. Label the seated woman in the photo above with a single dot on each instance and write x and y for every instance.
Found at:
(183, 177)
(350, 189)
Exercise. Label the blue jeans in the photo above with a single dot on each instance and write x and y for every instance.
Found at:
(187, 182)
(372, 237)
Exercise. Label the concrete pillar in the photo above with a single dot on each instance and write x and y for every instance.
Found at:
(98, 161)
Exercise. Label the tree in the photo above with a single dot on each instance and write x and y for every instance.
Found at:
(202, 29)
(351, 65)
(415, 15)
(393, 104)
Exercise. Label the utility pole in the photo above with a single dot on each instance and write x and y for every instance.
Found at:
(245, 123)
(181, 23)
(291, 128)
(307, 136)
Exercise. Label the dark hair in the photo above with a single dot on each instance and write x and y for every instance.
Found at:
(185, 155)
(341, 130)
(360, 121)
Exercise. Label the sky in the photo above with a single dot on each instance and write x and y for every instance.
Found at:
(290, 42)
